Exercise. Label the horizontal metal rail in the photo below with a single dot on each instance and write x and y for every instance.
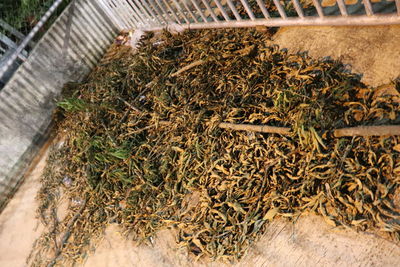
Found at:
(279, 22)
(201, 14)
(11, 29)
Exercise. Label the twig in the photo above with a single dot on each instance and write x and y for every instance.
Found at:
(188, 67)
(160, 123)
(67, 234)
(368, 131)
(255, 128)
(165, 123)
(352, 131)
(129, 105)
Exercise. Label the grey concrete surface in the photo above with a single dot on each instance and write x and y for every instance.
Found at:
(67, 52)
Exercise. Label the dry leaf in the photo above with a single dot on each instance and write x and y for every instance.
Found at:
(397, 148)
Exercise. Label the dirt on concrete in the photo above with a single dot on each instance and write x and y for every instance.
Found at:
(308, 242)
(372, 51)
(19, 227)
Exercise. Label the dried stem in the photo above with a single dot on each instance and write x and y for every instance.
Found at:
(368, 131)
(188, 67)
(130, 105)
(67, 234)
(352, 131)
(255, 128)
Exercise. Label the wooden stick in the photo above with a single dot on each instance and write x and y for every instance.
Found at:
(368, 131)
(255, 128)
(352, 131)
(188, 67)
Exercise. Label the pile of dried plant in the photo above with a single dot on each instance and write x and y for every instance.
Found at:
(143, 138)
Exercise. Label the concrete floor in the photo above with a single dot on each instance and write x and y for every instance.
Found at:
(372, 51)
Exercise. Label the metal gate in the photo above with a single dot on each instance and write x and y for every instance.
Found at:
(200, 14)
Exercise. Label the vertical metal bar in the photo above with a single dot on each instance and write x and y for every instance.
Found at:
(128, 17)
(148, 8)
(110, 5)
(157, 11)
(123, 16)
(164, 11)
(189, 11)
(318, 7)
(210, 10)
(342, 7)
(136, 22)
(223, 12)
(368, 7)
(138, 12)
(131, 13)
(234, 10)
(172, 11)
(398, 7)
(298, 8)
(248, 9)
(281, 11)
(105, 6)
(180, 10)
(199, 10)
(139, 7)
(265, 12)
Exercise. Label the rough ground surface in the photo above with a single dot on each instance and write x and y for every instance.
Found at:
(372, 51)
(18, 225)
(308, 242)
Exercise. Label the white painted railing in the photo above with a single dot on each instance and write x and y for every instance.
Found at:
(200, 14)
